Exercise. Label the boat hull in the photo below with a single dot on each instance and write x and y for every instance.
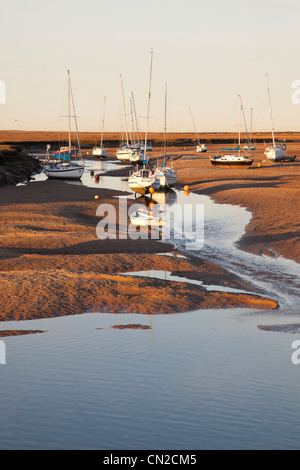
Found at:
(276, 154)
(167, 177)
(229, 162)
(147, 220)
(201, 149)
(142, 181)
(124, 155)
(142, 187)
(138, 157)
(100, 152)
(65, 173)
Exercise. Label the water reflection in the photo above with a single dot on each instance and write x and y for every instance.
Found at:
(199, 380)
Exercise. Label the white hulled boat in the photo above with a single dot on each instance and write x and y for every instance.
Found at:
(167, 175)
(138, 157)
(233, 159)
(143, 180)
(249, 145)
(125, 150)
(65, 168)
(201, 148)
(275, 152)
(124, 153)
(147, 218)
(100, 152)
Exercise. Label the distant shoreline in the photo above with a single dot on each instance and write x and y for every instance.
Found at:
(111, 139)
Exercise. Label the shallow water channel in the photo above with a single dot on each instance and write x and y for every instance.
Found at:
(207, 379)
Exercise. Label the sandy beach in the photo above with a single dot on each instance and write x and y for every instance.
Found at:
(53, 264)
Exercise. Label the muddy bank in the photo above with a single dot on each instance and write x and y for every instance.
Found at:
(270, 191)
(16, 166)
(53, 264)
(50, 293)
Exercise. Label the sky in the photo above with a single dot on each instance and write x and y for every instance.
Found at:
(207, 52)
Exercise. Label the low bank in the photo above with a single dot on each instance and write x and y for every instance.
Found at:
(16, 166)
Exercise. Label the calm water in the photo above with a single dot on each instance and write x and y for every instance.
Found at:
(199, 380)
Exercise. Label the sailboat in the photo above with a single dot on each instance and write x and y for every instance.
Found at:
(65, 168)
(233, 159)
(200, 147)
(275, 152)
(144, 180)
(124, 151)
(167, 175)
(139, 155)
(250, 145)
(101, 151)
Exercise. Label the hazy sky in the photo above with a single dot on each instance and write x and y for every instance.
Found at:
(206, 52)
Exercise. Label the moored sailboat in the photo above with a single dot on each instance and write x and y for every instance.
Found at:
(167, 175)
(233, 159)
(201, 148)
(124, 152)
(274, 152)
(250, 145)
(65, 168)
(144, 180)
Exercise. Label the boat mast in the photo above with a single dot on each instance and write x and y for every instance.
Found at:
(103, 121)
(194, 125)
(251, 126)
(148, 103)
(165, 143)
(75, 119)
(240, 107)
(132, 124)
(136, 123)
(270, 109)
(124, 109)
(69, 111)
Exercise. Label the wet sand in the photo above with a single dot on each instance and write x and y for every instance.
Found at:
(53, 264)
(271, 192)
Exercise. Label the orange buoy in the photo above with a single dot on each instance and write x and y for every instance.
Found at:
(186, 188)
(151, 191)
(259, 165)
(96, 197)
(186, 193)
